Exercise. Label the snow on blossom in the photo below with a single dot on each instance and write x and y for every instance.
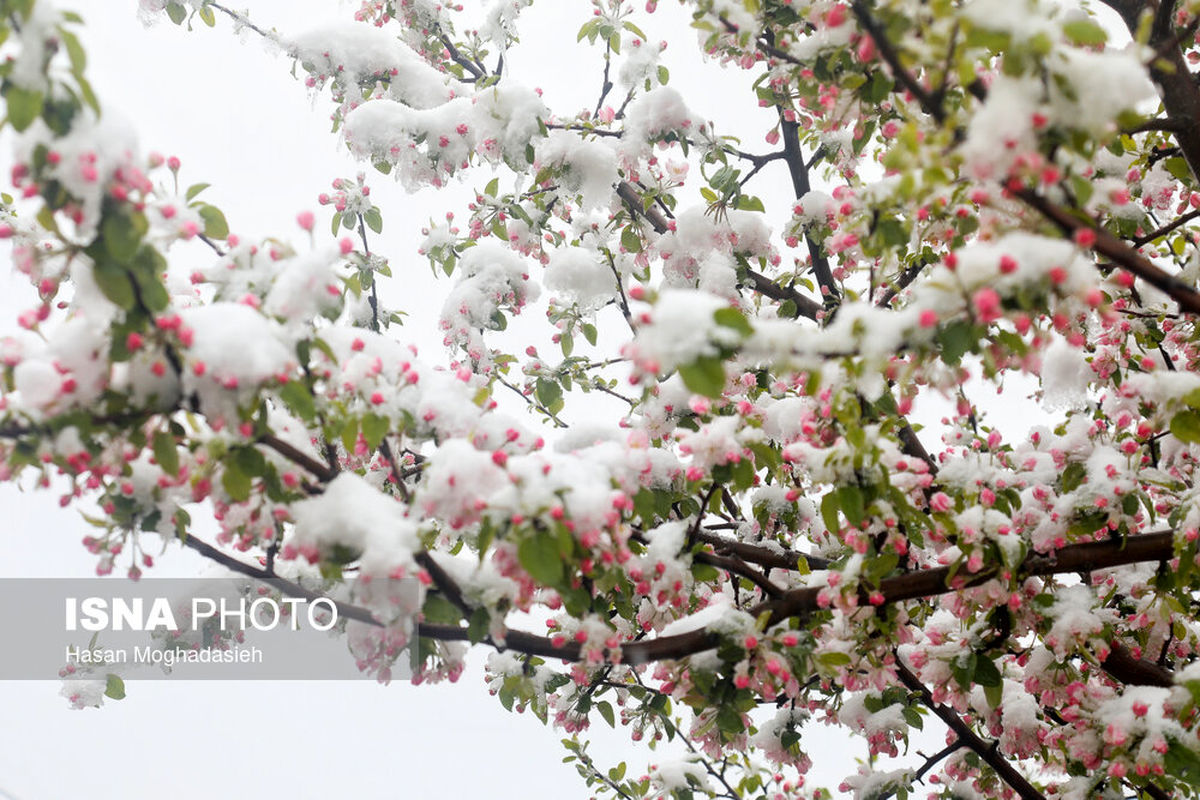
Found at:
(1076, 619)
(681, 330)
(995, 526)
(84, 692)
(718, 616)
(427, 145)
(352, 52)
(589, 166)
(489, 277)
(787, 419)
(500, 24)
(770, 732)
(652, 116)
(458, 481)
(353, 514)
(869, 782)
(698, 252)
(1103, 84)
(508, 114)
(1001, 130)
(815, 207)
(1023, 19)
(36, 34)
(639, 64)
(1162, 387)
(218, 357)
(582, 275)
(680, 775)
(301, 290)
(716, 442)
(89, 155)
(887, 721)
(1065, 374)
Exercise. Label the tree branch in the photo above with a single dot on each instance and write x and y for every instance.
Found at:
(1116, 250)
(987, 751)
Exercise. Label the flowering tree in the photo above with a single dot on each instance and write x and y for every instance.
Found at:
(758, 538)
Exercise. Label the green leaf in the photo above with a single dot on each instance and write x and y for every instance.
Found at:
(1185, 426)
(477, 627)
(540, 557)
(1084, 32)
(1072, 476)
(729, 720)
(350, 435)
(206, 14)
(122, 234)
(732, 318)
(89, 96)
(374, 220)
(145, 270)
(299, 399)
(589, 333)
(24, 106)
(1182, 762)
(850, 498)
(956, 339)
(374, 428)
(115, 283)
(176, 12)
(630, 240)
(75, 50)
(1179, 169)
(195, 189)
(986, 674)
(165, 452)
(748, 202)
(606, 711)
(235, 482)
(548, 392)
(337, 223)
(114, 687)
(215, 226)
(829, 512)
(833, 658)
(704, 376)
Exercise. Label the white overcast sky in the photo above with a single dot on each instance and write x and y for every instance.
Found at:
(237, 119)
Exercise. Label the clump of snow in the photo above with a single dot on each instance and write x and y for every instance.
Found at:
(588, 166)
(681, 330)
(427, 145)
(680, 775)
(1065, 375)
(815, 208)
(220, 356)
(457, 481)
(639, 64)
(1102, 85)
(490, 277)
(352, 52)
(1001, 130)
(500, 24)
(652, 117)
(353, 514)
(581, 275)
(90, 154)
(306, 287)
(1023, 19)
